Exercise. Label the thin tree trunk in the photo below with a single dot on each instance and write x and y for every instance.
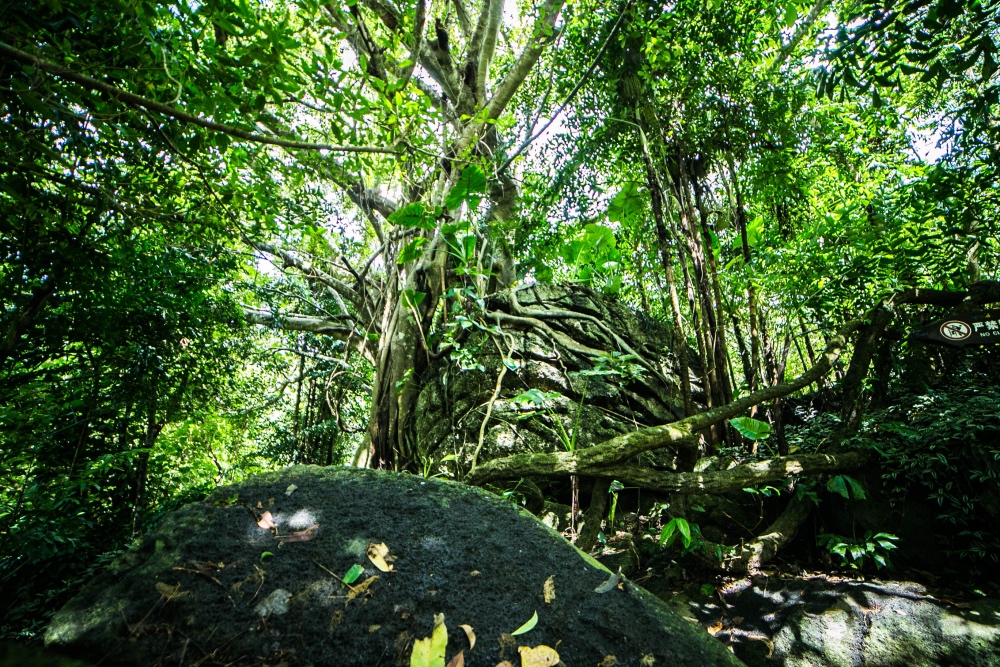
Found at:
(657, 199)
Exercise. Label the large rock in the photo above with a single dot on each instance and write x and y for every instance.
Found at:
(594, 406)
(822, 623)
(202, 589)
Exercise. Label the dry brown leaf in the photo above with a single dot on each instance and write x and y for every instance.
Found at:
(457, 661)
(549, 589)
(377, 554)
(714, 629)
(505, 663)
(506, 642)
(470, 634)
(300, 536)
(609, 661)
(539, 656)
(355, 591)
(266, 521)
(170, 592)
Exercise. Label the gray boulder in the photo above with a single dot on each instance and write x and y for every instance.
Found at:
(210, 586)
(828, 623)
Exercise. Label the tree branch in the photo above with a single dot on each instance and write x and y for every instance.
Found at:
(489, 45)
(542, 33)
(595, 460)
(737, 477)
(572, 94)
(296, 322)
(139, 102)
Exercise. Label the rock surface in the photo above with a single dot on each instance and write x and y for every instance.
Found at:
(821, 623)
(202, 589)
(452, 402)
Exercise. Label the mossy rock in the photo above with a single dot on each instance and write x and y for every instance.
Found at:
(197, 590)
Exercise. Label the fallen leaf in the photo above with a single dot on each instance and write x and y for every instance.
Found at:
(528, 625)
(506, 642)
(377, 554)
(290, 489)
(264, 555)
(647, 660)
(300, 536)
(549, 589)
(429, 652)
(474, 573)
(609, 661)
(373, 628)
(355, 591)
(505, 663)
(170, 592)
(540, 656)
(352, 575)
(458, 660)
(266, 521)
(608, 585)
(714, 629)
(470, 634)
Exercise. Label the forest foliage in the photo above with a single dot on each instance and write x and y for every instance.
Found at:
(237, 234)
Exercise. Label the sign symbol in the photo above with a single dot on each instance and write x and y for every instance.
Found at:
(955, 330)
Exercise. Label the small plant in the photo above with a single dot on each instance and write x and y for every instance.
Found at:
(615, 487)
(854, 553)
(678, 526)
(537, 401)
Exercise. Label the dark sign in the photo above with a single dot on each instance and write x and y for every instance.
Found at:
(962, 330)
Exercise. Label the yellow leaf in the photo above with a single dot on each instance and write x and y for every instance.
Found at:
(429, 652)
(377, 554)
(540, 656)
(549, 589)
(505, 663)
(470, 634)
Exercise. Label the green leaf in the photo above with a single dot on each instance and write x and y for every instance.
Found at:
(685, 530)
(626, 204)
(412, 215)
(752, 429)
(352, 575)
(533, 396)
(413, 297)
(412, 250)
(266, 554)
(845, 486)
(469, 188)
(528, 626)
(755, 231)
